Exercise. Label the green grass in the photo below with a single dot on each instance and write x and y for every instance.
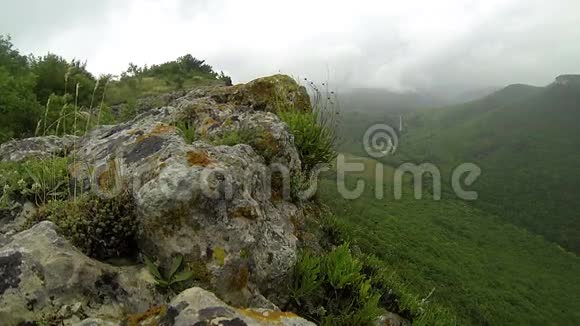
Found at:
(484, 271)
(38, 180)
(313, 139)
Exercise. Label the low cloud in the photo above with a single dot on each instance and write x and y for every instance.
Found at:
(426, 45)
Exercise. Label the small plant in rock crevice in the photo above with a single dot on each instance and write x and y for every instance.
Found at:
(172, 277)
(187, 130)
(315, 142)
(314, 130)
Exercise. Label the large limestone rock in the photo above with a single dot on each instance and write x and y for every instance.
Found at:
(43, 277)
(207, 202)
(204, 201)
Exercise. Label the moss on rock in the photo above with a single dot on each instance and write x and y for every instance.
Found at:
(269, 92)
(101, 228)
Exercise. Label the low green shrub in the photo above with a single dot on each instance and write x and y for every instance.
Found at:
(341, 288)
(101, 228)
(331, 289)
(187, 130)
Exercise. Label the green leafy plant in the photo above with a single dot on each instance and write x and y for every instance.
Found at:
(339, 288)
(307, 278)
(175, 275)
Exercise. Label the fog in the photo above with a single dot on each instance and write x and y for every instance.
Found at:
(437, 46)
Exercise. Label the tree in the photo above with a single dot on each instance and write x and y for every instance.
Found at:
(226, 79)
(18, 107)
(55, 75)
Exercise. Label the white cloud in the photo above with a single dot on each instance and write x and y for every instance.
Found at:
(393, 44)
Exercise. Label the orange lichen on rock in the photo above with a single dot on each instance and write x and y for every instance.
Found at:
(109, 177)
(136, 319)
(159, 129)
(244, 212)
(267, 316)
(198, 158)
(162, 128)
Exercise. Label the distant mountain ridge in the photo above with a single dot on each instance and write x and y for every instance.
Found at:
(525, 139)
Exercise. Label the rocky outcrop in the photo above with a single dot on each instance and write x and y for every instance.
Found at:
(210, 174)
(16, 217)
(204, 201)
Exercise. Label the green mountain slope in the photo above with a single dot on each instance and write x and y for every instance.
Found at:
(485, 271)
(526, 141)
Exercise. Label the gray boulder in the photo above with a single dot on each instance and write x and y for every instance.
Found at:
(37, 147)
(43, 277)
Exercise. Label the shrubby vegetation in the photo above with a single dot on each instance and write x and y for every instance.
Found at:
(18, 106)
(332, 290)
(101, 228)
(51, 95)
(331, 275)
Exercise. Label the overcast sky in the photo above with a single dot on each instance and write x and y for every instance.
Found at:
(399, 45)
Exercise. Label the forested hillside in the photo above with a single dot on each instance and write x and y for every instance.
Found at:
(526, 141)
(489, 259)
(483, 270)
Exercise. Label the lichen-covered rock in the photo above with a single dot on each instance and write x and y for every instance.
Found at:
(15, 218)
(264, 94)
(211, 203)
(37, 147)
(43, 277)
(210, 174)
(196, 306)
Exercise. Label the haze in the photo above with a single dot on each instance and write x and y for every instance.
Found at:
(413, 45)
